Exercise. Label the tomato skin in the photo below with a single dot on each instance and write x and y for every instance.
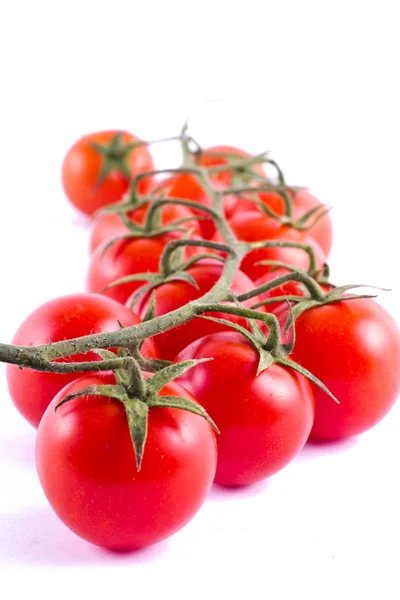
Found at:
(86, 465)
(82, 166)
(303, 202)
(353, 347)
(173, 295)
(223, 179)
(63, 318)
(264, 420)
(110, 226)
(253, 227)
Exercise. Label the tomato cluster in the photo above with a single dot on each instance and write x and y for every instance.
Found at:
(126, 455)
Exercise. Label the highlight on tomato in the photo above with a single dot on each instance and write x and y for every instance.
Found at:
(88, 469)
(353, 347)
(264, 420)
(99, 167)
(60, 319)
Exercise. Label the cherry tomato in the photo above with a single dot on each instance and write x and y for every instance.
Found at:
(62, 319)
(110, 226)
(222, 155)
(303, 202)
(85, 182)
(187, 187)
(127, 257)
(175, 294)
(86, 465)
(264, 420)
(353, 347)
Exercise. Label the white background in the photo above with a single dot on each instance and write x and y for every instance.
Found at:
(317, 84)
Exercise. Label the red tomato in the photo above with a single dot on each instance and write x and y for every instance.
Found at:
(303, 202)
(86, 465)
(214, 156)
(110, 226)
(63, 319)
(173, 295)
(353, 347)
(187, 187)
(126, 257)
(264, 420)
(83, 165)
(253, 227)
(290, 288)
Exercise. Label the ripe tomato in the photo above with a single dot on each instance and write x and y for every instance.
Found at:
(253, 227)
(127, 257)
(353, 347)
(264, 420)
(214, 156)
(86, 465)
(110, 226)
(187, 187)
(303, 202)
(175, 294)
(83, 164)
(62, 319)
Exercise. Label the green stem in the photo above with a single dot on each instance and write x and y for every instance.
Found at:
(274, 334)
(281, 190)
(41, 357)
(286, 244)
(311, 285)
(277, 299)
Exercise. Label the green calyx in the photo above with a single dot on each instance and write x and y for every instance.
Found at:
(314, 295)
(115, 156)
(303, 223)
(138, 395)
(173, 266)
(270, 348)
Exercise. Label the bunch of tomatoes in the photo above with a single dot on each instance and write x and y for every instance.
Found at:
(127, 456)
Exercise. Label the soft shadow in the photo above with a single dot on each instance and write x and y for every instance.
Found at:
(20, 449)
(316, 449)
(219, 492)
(38, 538)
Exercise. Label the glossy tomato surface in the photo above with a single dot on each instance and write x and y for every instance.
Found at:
(264, 420)
(86, 465)
(63, 318)
(353, 347)
(83, 164)
(173, 295)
